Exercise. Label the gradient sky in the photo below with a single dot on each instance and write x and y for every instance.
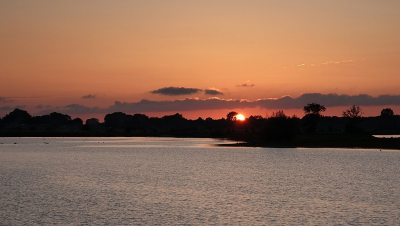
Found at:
(80, 57)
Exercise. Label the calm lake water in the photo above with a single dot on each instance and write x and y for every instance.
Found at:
(170, 181)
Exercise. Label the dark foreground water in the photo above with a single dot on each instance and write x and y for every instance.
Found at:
(168, 181)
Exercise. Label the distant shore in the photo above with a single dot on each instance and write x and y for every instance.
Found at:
(324, 141)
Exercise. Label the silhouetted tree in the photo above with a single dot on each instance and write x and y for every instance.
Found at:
(92, 122)
(77, 122)
(257, 117)
(313, 115)
(16, 118)
(58, 119)
(254, 119)
(279, 114)
(280, 127)
(353, 114)
(387, 112)
(139, 122)
(200, 119)
(175, 117)
(117, 120)
(314, 109)
(231, 116)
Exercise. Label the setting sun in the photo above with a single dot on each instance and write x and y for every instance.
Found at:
(240, 117)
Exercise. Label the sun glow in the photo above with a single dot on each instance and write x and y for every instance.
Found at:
(240, 117)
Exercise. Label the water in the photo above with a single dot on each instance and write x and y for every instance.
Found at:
(170, 181)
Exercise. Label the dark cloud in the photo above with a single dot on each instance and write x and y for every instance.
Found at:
(332, 100)
(5, 99)
(213, 91)
(48, 111)
(329, 100)
(175, 91)
(88, 96)
(246, 84)
(6, 108)
(22, 107)
(81, 108)
(74, 109)
(41, 106)
(178, 105)
(191, 104)
(9, 108)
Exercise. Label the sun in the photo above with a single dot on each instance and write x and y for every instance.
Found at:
(240, 117)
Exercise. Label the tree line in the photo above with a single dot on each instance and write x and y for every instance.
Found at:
(277, 127)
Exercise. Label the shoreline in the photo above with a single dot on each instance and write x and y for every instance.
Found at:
(360, 141)
(324, 141)
(244, 144)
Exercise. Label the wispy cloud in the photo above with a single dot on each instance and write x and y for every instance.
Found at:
(175, 91)
(246, 84)
(213, 91)
(330, 62)
(90, 96)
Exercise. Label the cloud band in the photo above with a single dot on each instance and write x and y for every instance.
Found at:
(189, 104)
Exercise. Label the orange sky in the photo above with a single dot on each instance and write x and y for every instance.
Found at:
(55, 52)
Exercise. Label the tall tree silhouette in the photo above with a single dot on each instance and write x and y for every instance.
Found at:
(231, 116)
(313, 115)
(353, 114)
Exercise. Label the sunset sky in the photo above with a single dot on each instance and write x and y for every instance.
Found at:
(199, 58)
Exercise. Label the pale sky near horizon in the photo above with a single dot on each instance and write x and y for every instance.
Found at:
(92, 53)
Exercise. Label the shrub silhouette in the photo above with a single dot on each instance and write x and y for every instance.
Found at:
(387, 112)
